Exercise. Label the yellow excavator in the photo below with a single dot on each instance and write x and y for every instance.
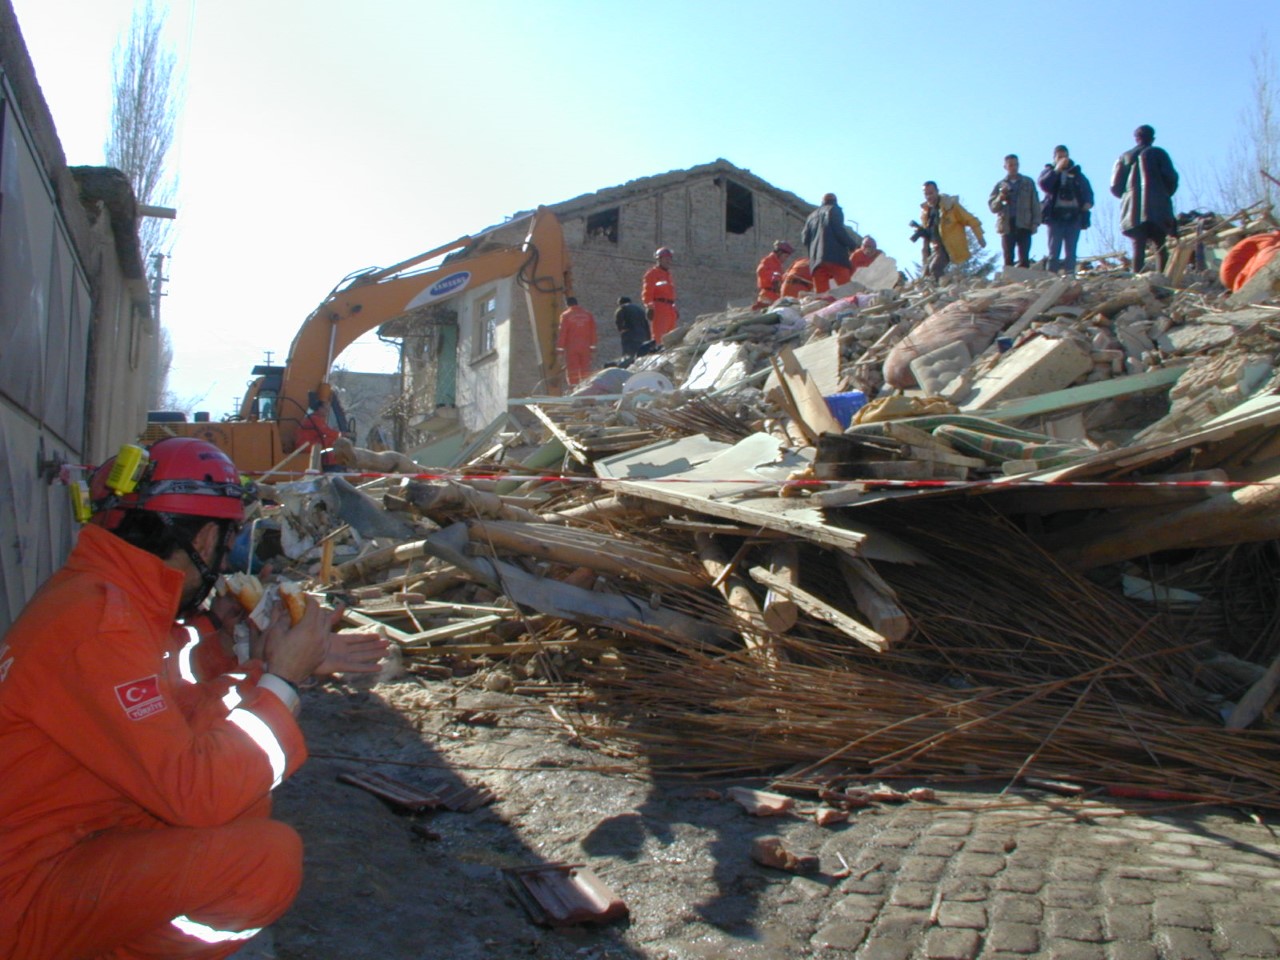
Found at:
(265, 432)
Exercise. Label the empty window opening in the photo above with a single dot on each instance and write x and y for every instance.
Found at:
(739, 208)
(603, 224)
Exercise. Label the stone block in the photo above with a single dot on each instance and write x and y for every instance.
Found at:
(1036, 367)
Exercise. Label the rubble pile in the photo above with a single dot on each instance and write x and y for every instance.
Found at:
(1022, 528)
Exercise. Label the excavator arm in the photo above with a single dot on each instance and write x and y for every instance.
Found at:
(540, 265)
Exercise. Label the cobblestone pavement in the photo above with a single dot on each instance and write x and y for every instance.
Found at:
(969, 884)
(976, 875)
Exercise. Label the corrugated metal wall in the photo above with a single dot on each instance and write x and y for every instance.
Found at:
(44, 337)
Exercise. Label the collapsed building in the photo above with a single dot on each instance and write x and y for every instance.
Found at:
(1017, 528)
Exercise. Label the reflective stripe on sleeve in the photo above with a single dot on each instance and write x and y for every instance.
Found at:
(185, 670)
(207, 934)
(261, 734)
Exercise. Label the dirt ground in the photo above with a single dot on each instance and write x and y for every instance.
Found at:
(375, 887)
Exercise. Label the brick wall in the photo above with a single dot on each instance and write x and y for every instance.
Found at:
(713, 267)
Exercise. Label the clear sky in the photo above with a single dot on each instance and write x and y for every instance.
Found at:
(320, 137)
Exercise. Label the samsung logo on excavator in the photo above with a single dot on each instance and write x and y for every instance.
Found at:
(449, 284)
(441, 288)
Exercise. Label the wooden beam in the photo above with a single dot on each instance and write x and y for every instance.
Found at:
(780, 611)
(875, 598)
(742, 604)
(819, 608)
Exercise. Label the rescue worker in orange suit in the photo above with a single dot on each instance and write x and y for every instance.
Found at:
(769, 274)
(576, 342)
(797, 279)
(865, 255)
(134, 820)
(658, 293)
(315, 428)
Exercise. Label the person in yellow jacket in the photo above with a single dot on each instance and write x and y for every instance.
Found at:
(942, 227)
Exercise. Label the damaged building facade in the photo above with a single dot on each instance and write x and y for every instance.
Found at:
(465, 357)
(78, 344)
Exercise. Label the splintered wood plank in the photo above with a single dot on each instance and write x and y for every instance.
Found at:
(575, 449)
(816, 607)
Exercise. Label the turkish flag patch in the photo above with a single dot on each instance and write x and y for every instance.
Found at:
(141, 698)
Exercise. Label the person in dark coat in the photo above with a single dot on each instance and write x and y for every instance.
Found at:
(1068, 198)
(829, 244)
(1145, 181)
(633, 327)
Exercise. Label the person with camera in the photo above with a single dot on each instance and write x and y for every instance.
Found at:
(942, 226)
(1016, 204)
(1068, 198)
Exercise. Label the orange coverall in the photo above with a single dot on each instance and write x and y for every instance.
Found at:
(797, 279)
(768, 279)
(577, 341)
(134, 815)
(658, 292)
(315, 429)
(1248, 257)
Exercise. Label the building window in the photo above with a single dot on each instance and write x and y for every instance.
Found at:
(484, 314)
(603, 224)
(739, 208)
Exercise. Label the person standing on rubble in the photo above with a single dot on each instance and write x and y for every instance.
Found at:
(942, 226)
(633, 328)
(576, 342)
(135, 816)
(1016, 204)
(1068, 198)
(658, 293)
(769, 274)
(1144, 181)
(829, 244)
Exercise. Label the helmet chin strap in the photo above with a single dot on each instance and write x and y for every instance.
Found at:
(208, 573)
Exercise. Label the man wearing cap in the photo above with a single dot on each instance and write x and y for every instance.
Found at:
(829, 243)
(769, 274)
(1144, 181)
(134, 821)
(658, 293)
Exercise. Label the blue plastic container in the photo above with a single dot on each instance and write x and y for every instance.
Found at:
(844, 405)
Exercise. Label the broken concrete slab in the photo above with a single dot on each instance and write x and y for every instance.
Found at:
(1034, 368)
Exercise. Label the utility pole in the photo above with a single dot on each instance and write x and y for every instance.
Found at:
(158, 280)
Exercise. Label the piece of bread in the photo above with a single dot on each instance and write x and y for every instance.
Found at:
(295, 599)
(245, 587)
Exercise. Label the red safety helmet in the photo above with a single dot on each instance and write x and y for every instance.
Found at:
(663, 252)
(783, 247)
(184, 476)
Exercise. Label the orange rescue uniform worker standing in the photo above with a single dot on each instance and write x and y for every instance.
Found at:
(658, 293)
(576, 342)
(134, 818)
(769, 274)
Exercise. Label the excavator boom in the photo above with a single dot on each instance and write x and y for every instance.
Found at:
(540, 265)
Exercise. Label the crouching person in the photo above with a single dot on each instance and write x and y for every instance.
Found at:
(134, 818)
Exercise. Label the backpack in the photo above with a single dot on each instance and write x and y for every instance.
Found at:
(1066, 201)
